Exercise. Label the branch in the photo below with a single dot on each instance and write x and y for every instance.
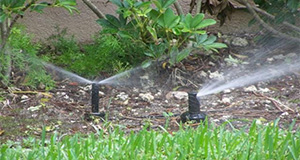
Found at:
(94, 8)
(178, 8)
(10, 26)
(198, 7)
(264, 24)
(273, 18)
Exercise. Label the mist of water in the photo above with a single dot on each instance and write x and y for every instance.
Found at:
(243, 76)
(63, 73)
(124, 78)
(129, 78)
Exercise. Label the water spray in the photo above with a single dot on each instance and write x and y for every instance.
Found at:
(194, 113)
(95, 101)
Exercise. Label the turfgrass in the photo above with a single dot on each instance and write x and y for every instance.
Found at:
(204, 142)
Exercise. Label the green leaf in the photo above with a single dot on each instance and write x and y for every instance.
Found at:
(188, 21)
(117, 2)
(168, 19)
(182, 55)
(210, 40)
(67, 2)
(140, 4)
(176, 31)
(217, 45)
(200, 32)
(3, 17)
(124, 34)
(205, 23)
(154, 15)
(197, 20)
(110, 22)
(163, 4)
(152, 31)
(39, 7)
(201, 38)
(113, 20)
(157, 4)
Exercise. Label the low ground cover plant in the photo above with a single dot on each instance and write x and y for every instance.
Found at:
(204, 142)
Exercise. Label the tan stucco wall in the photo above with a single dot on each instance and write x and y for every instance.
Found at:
(83, 25)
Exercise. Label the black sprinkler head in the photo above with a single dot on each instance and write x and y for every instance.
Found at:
(194, 113)
(95, 101)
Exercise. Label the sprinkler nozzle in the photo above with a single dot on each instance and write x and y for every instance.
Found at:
(95, 101)
(194, 113)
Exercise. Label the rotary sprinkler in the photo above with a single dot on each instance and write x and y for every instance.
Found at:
(194, 113)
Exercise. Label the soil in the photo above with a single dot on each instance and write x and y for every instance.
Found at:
(66, 109)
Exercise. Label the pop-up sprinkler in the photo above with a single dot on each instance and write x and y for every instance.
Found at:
(95, 101)
(194, 113)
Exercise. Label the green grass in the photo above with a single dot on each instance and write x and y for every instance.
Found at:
(205, 142)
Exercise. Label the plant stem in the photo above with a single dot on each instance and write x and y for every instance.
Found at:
(94, 8)
(178, 8)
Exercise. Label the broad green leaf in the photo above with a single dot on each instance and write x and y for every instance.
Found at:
(200, 32)
(197, 20)
(149, 54)
(68, 3)
(152, 31)
(39, 7)
(124, 34)
(117, 2)
(188, 21)
(176, 31)
(13, 3)
(142, 4)
(210, 40)
(201, 38)
(217, 45)
(2, 17)
(163, 4)
(154, 15)
(171, 19)
(127, 13)
(122, 20)
(113, 20)
(205, 23)
(157, 4)
(168, 19)
(107, 23)
(182, 55)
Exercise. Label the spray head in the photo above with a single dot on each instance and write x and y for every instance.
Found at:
(95, 101)
(194, 113)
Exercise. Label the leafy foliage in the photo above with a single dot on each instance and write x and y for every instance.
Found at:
(106, 54)
(10, 7)
(25, 60)
(158, 28)
(11, 11)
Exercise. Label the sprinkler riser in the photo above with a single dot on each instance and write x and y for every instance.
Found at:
(95, 98)
(95, 101)
(194, 113)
